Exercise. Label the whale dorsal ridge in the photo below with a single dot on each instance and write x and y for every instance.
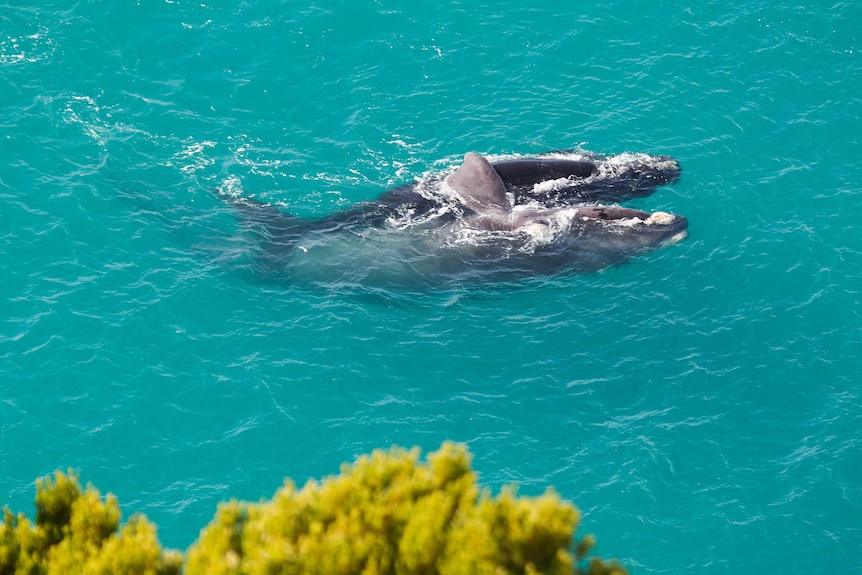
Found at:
(478, 186)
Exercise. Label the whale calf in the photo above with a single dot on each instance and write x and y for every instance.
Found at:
(484, 221)
(585, 177)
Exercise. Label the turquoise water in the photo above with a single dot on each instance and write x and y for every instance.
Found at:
(700, 404)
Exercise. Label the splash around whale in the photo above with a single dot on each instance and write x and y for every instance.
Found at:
(481, 221)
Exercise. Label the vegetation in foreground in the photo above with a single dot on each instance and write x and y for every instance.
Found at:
(388, 513)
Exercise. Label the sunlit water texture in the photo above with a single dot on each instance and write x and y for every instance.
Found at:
(700, 403)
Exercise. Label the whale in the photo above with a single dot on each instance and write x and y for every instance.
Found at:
(480, 221)
(559, 178)
(570, 176)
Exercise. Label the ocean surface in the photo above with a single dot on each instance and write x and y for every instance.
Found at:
(701, 404)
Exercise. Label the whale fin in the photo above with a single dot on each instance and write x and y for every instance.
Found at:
(478, 186)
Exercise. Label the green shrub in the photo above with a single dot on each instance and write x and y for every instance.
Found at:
(77, 532)
(388, 513)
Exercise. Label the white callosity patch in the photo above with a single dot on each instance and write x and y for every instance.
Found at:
(628, 222)
(676, 238)
(660, 218)
(656, 218)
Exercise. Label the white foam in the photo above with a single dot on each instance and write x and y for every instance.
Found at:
(549, 186)
(551, 224)
(539, 233)
(231, 186)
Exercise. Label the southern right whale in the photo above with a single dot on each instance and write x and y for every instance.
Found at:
(475, 223)
(569, 176)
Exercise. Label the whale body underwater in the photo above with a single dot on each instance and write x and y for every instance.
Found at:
(482, 221)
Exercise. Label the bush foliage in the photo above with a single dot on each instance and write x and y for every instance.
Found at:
(388, 513)
(76, 531)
